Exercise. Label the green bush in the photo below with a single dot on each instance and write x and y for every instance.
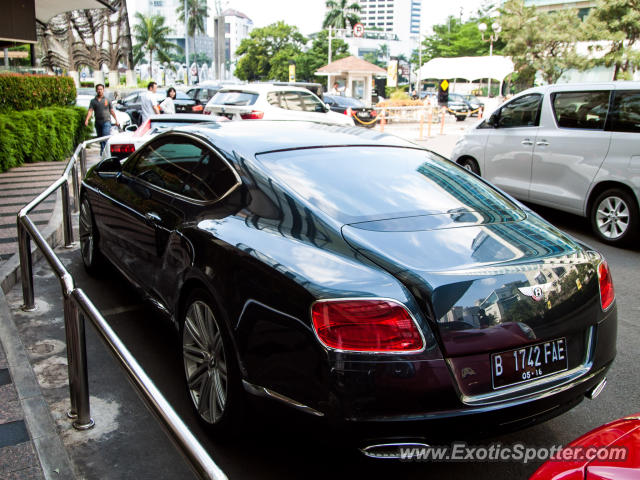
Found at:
(46, 134)
(28, 92)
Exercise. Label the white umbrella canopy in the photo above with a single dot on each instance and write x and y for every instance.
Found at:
(47, 9)
(469, 68)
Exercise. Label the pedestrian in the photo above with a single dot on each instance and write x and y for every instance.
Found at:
(149, 103)
(101, 105)
(167, 105)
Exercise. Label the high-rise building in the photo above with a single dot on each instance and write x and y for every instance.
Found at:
(401, 17)
(237, 26)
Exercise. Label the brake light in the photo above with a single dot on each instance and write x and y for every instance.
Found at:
(346, 112)
(142, 129)
(365, 326)
(119, 148)
(253, 115)
(607, 294)
(207, 112)
(374, 113)
(197, 108)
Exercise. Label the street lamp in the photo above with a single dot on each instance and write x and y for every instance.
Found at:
(493, 37)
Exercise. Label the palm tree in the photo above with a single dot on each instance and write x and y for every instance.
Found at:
(150, 35)
(197, 12)
(341, 15)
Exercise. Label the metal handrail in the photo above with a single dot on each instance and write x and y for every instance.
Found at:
(77, 306)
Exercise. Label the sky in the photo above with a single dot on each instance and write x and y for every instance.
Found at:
(307, 15)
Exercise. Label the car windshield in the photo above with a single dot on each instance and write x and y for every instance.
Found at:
(234, 97)
(348, 102)
(355, 184)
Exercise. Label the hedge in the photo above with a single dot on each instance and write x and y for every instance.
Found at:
(28, 92)
(46, 134)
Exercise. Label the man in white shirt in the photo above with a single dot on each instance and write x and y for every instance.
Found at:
(149, 103)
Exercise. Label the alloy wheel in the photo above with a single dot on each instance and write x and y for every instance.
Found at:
(205, 362)
(612, 217)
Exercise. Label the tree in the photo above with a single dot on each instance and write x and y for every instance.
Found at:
(265, 55)
(197, 12)
(541, 41)
(457, 39)
(150, 35)
(617, 22)
(341, 15)
(307, 63)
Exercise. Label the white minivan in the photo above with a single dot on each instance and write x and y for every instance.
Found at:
(574, 147)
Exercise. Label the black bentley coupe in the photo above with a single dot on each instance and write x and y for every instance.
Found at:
(352, 276)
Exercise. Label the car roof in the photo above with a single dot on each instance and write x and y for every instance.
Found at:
(274, 135)
(186, 117)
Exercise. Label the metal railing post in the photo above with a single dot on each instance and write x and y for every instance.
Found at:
(70, 311)
(83, 420)
(76, 188)
(83, 160)
(66, 216)
(26, 268)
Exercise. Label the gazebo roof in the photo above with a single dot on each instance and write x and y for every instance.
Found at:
(351, 65)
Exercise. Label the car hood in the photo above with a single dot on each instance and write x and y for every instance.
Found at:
(474, 274)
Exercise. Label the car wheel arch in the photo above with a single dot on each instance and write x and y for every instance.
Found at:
(604, 186)
(466, 158)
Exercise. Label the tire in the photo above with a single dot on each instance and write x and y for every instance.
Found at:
(212, 377)
(614, 217)
(461, 118)
(91, 256)
(470, 164)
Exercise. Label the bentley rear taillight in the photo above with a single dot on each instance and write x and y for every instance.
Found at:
(122, 148)
(607, 294)
(366, 325)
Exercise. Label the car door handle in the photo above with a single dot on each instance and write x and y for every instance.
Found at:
(152, 217)
(527, 142)
(542, 143)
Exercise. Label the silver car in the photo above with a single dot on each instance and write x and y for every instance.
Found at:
(574, 147)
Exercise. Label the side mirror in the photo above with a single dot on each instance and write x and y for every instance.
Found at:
(109, 167)
(131, 128)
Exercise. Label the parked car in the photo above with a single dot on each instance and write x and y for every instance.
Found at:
(316, 88)
(475, 103)
(124, 120)
(573, 147)
(609, 452)
(354, 277)
(132, 104)
(459, 106)
(203, 92)
(364, 116)
(265, 101)
(124, 144)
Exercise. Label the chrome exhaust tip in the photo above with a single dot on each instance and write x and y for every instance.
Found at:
(391, 451)
(597, 390)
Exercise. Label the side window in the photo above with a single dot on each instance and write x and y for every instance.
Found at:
(291, 101)
(625, 113)
(274, 99)
(192, 93)
(310, 103)
(168, 163)
(586, 110)
(521, 112)
(209, 180)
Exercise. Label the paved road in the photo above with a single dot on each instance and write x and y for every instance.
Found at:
(283, 446)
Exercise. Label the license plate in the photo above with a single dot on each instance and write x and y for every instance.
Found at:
(363, 115)
(529, 363)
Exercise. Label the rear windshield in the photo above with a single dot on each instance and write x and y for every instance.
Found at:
(355, 184)
(165, 124)
(234, 98)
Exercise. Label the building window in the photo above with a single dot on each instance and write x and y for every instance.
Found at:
(227, 28)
